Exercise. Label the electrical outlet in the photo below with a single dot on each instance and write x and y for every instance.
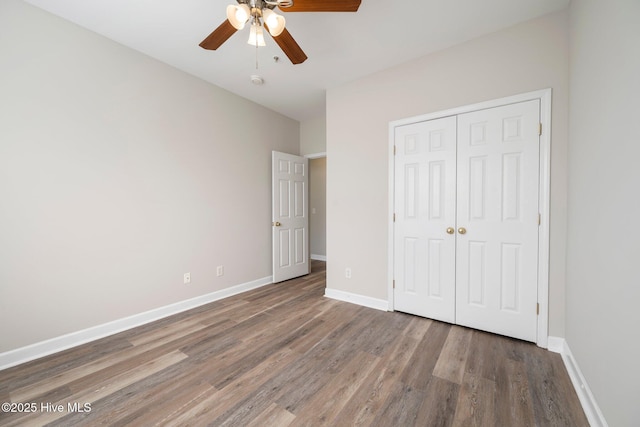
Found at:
(347, 273)
(187, 278)
(220, 270)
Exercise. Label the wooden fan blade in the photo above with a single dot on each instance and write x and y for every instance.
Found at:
(290, 47)
(219, 36)
(323, 6)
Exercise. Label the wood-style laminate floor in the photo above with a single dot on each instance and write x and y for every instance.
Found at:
(284, 355)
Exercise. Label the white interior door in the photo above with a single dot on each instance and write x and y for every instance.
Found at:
(476, 176)
(425, 198)
(290, 219)
(497, 205)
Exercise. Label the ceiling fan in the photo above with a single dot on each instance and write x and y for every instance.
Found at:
(260, 12)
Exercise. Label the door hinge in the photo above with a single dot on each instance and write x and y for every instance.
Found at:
(537, 309)
(394, 150)
(394, 217)
(540, 129)
(394, 284)
(539, 219)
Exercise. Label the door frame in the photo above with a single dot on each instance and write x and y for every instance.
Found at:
(544, 96)
(314, 156)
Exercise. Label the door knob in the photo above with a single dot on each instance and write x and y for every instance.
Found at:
(276, 224)
(462, 230)
(451, 230)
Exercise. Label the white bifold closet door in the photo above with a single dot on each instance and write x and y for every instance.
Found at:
(466, 230)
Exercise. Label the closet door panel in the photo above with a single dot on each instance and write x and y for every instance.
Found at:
(425, 185)
(497, 219)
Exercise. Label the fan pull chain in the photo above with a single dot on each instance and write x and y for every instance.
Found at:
(256, 56)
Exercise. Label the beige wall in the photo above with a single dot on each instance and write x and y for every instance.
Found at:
(117, 175)
(527, 57)
(313, 136)
(603, 280)
(318, 206)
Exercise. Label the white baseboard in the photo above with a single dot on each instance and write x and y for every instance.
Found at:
(319, 257)
(54, 345)
(378, 304)
(587, 400)
(556, 344)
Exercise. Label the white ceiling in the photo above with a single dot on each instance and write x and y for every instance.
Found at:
(341, 46)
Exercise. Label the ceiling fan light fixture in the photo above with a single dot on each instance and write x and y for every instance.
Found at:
(238, 15)
(256, 36)
(275, 23)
